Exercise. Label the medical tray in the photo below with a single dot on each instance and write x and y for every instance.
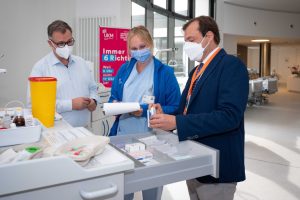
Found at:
(187, 160)
(21, 135)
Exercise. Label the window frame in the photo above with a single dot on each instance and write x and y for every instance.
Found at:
(171, 15)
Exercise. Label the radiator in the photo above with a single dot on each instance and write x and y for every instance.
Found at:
(87, 38)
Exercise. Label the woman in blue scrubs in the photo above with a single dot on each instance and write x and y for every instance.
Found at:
(146, 80)
(141, 79)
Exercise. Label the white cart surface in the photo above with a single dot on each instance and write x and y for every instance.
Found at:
(114, 172)
(61, 178)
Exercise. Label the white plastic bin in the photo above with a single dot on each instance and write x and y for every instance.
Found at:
(20, 135)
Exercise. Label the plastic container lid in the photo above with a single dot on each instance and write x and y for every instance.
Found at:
(42, 79)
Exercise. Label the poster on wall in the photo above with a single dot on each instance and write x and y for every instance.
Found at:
(113, 53)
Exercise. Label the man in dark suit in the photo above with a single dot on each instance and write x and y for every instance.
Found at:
(211, 109)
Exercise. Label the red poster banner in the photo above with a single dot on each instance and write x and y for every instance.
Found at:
(113, 53)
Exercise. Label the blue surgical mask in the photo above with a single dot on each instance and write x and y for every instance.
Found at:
(141, 55)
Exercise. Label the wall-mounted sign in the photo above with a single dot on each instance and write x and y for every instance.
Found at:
(113, 53)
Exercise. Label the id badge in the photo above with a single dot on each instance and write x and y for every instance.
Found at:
(147, 99)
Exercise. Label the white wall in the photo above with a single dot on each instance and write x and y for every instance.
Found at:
(23, 40)
(253, 58)
(237, 20)
(282, 57)
(230, 44)
(23, 29)
(240, 21)
(220, 19)
(121, 9)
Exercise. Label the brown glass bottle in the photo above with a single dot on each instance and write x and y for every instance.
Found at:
(19, 119)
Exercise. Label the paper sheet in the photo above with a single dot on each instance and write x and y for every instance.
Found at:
(108, 157)
(58, 138)
(120, 108)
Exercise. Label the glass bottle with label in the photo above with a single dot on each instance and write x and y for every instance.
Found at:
(19, 118)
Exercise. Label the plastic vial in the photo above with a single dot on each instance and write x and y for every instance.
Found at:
(29, 121)
(6, 121)
(1, 122)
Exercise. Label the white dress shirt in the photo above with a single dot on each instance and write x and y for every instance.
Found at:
(72, 82)
(210, 55)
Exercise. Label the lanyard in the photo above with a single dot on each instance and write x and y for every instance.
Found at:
(196, 75)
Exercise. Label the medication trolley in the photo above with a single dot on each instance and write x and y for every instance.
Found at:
(114, 173)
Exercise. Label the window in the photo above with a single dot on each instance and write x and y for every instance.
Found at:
(202, 8)
(160, 3)
(160, 34)
(164, 20)
(181, 7)
(180, 57)
(138, 15)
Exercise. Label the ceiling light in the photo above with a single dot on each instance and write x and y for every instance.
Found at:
(260, 40)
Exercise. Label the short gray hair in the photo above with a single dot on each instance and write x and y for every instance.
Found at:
(59, 26)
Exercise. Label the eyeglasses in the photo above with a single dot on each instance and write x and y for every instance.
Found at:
(63, 44)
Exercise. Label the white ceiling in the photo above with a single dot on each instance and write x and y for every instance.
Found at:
(292, 6)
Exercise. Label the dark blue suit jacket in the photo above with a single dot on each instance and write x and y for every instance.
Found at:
(215, 116)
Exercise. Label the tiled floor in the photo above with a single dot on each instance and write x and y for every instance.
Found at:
(272, 152)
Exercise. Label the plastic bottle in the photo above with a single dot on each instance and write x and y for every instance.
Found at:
(6, 121)
(1, 122)
(29, 121)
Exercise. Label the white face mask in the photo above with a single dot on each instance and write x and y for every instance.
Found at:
(64, 52)
(194, 50)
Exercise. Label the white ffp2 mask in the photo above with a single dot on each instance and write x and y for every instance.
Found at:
(64, 52)
(194, 50)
